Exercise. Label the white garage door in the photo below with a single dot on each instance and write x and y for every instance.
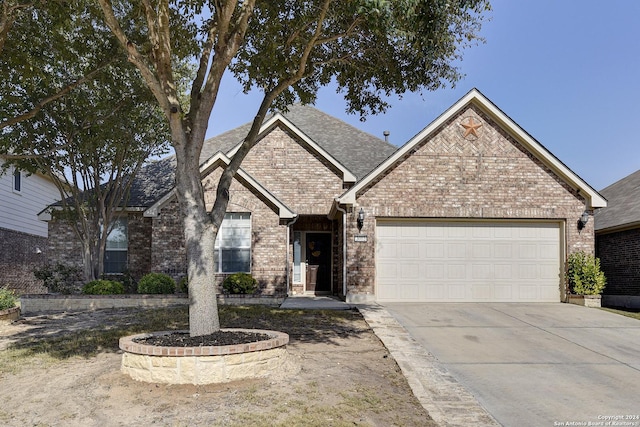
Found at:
(467, 261)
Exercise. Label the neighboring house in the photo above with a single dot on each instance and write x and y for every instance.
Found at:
(617, 230)
(23, 238)
(471, 209)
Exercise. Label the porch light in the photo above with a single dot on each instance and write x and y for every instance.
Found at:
(582, 222)
(360, 219)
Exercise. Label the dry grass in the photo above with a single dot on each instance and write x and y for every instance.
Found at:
(628, 312)
(345, 376)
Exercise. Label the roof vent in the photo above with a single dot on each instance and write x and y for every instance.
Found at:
(386, 134)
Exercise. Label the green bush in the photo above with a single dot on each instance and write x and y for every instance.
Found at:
(240, 283)
(7, 299)
(103, 287)
(584, 275)
(183, 285)
(60, 278)
(156, 283)
(127, 280)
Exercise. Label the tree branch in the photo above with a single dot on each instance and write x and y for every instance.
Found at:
(62, 92)
(135, 57)
(7, 18)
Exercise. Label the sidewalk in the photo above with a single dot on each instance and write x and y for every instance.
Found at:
(448, 402)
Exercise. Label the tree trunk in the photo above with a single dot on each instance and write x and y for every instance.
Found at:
(199, 234)
(203, 306)
(88, 265)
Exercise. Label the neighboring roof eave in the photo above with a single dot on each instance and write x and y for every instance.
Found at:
(221, 160)
(474, 96)
(45, 214)
(618, 228)
(278, 118)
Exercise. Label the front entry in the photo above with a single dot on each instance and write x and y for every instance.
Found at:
(318, 259)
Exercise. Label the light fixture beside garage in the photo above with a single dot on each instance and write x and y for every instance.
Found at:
(360, 220)
(584, 218)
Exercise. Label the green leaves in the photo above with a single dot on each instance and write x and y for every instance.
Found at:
(372, 48)
(584, 275)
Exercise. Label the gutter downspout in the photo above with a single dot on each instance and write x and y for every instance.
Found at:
(344, 247)
(293, 221)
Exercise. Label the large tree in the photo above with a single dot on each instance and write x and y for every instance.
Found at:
(287, 49)
(40, 44)
(90, 142)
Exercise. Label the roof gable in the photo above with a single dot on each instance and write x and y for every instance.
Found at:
(593, 198)
(356, 151)
(279, 119)
(221, 160)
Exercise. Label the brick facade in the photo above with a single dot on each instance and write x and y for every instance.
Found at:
(619, 253)
(268, 246)
(21, 254)
(450, 176)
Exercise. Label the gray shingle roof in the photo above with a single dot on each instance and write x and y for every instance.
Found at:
(623, 203)
(358, 151)
(154, 180)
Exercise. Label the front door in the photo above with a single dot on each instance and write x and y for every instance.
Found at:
(318, 252)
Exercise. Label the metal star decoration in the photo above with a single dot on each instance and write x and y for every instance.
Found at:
(471, 128)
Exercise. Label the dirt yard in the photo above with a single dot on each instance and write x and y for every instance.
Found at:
(55, 371)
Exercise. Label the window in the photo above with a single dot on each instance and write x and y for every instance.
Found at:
(17, 181)
(115, 254)
(233, 244)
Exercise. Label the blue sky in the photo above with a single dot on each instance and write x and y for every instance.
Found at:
(567, 71)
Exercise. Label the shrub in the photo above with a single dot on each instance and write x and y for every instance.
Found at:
(183, 285)
(127, 280)
(103, 287)
(59, 278)
(240, 283)
(7, 299)
(156, 283)
(584, 275)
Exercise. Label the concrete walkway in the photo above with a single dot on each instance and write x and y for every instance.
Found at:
(304, 302)
(448, 403)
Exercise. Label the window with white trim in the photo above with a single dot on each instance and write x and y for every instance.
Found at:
(115, 254)
(233, 244)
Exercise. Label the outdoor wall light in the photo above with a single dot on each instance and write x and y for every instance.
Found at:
(360, 219)
(582, 222)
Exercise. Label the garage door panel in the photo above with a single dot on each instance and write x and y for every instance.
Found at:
(457, 250)
(468, 261)
(409, 250)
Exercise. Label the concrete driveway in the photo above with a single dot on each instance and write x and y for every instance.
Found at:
(535, 364)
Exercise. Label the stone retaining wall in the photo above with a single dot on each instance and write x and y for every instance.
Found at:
(9, 315)
(203, 364)
(46, 303)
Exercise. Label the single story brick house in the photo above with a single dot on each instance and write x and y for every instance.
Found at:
(470, 209)
(617, 229)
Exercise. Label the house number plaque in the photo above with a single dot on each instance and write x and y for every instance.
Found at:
(360, 238)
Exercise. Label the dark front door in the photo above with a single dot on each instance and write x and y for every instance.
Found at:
(318, 262)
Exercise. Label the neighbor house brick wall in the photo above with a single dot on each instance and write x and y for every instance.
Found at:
(450, 176)
(268, 247)
(619, 255)
(21, 254)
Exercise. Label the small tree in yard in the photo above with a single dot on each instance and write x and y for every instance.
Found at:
(90, 142)
(287, 49)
